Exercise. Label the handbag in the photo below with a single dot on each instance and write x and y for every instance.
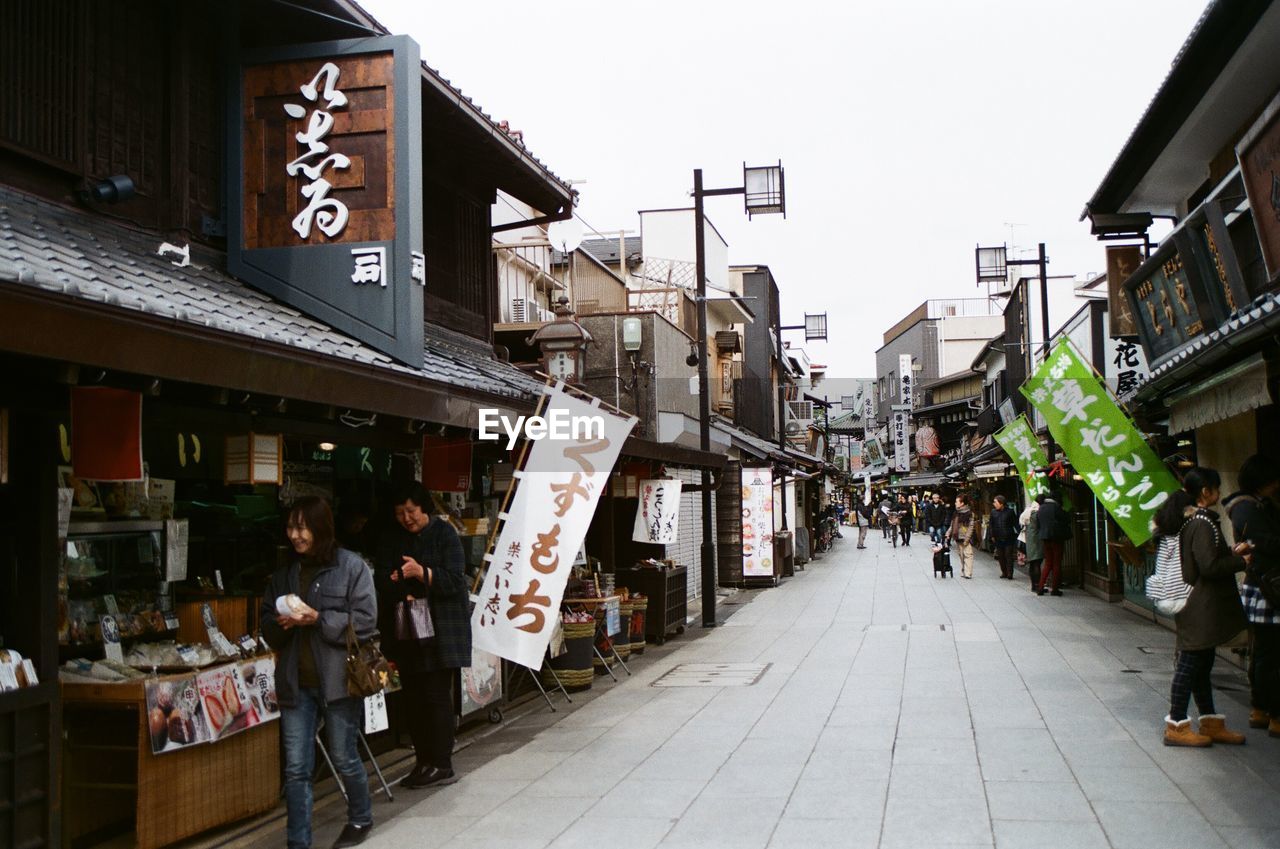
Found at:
(367, 670)
(1165, 586)
(413, 621)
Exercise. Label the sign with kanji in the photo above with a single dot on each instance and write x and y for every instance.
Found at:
(555, 497)
(898, 436)
(325, 183)
(658, 513)
(1102, 443)
(1018, 440)
(757, 522)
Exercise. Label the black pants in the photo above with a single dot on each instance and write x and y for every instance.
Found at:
(1264, 669)
(428, 709)
(905, 529)
(1191, 678)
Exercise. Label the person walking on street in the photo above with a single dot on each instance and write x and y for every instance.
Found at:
(424, 561)
(1054, 527)
(1030, 537)
(863, 515)
(337, 595)
(963, 532)
(1002, 530)
(1255, 518)
(885, 510)
(1212, 614)
(936, 518)
(905, 519)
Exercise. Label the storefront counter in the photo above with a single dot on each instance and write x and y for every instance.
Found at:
(112, 782)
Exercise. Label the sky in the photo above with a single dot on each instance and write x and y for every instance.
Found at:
(909, 131)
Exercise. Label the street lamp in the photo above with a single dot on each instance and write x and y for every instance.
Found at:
(991, 260)
(563, 343)
(763, 193)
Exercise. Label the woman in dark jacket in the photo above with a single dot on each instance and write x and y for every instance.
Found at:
(1255, 518)
(1212, 615)
(1003, 529)
(311, 666)
(424, 560)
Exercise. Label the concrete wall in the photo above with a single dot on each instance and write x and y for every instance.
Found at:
(961, 338)
(920, 341)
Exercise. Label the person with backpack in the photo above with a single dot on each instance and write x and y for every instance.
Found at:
(1212, 614)
(1054, 526)
(1002, 530)
(1255, 518)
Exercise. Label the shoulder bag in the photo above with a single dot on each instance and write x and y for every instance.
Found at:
(368, 672)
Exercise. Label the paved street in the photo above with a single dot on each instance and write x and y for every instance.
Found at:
(896, 710)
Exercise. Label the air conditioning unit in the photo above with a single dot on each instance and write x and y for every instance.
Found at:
(518, 311)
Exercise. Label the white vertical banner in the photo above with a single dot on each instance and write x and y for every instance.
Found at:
(556, 496)
(906, 381)
(757, 522)
(898, 434)
(658, 513)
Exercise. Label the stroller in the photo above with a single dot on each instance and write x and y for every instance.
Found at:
(942, 560)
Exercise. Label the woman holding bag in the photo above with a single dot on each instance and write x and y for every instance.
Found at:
(307, 612)
(425, 619)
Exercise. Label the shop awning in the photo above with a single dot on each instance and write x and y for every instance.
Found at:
(1236, 390)
(672, 455)
(78, 288)
(922, 479)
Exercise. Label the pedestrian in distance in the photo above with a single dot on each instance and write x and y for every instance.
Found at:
(328, 592)
(885, 511)
(936, 518)
(1002, 530)
(905, 519)
(1212, 615)
(1255, 518)
(429, 644)
(1054, 528)
(1030, 535)
(963, 532)
(863, 514)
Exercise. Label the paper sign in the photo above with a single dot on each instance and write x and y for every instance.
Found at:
(111, 639)
(1101, 442)
(65, 498)
(375, 713)
(555, 498)
(613, 617)
(757, 522)
(176, 536)
(175, 716)
(658, 513)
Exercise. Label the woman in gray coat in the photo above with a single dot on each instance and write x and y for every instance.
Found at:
(1212, 615)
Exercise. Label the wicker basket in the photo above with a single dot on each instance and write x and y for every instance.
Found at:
(639, 607)
(574, 667)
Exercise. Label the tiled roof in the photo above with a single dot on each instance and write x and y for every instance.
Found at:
(70, 252)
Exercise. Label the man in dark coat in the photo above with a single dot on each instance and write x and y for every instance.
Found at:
(424, 560)
(1002, 529)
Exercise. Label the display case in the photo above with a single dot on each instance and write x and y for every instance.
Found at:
(114, 568)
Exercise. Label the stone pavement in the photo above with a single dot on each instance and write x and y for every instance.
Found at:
(896, 710)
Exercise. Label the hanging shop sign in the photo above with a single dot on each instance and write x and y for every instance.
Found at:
(1126, 367)
(1259, 156)
(1102, 443)
(1161, 298)
(106, 434)
(658, 513)
(873, 452)
(555, 497)
(1018, 440)
(446, 463)
(906, 381)
(1122, 262)
(757, 522)
(898, 435)
(325, 206)
(927, 444)
(1219, 269)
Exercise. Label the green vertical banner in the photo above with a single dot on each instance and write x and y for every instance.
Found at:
(1102, 443)
(1019, 441)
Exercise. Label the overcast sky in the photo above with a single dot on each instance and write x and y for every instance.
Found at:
(909, 130)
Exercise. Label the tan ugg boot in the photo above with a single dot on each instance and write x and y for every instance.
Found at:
(1180, 734)
(1214, 726)
(1258, 718)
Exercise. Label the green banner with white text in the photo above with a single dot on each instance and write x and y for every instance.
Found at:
(1019, 441)
(1102, 443)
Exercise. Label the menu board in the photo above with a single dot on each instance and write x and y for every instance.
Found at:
(757, 522)
(207, 706)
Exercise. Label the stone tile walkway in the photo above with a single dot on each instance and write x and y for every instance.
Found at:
(897, 710)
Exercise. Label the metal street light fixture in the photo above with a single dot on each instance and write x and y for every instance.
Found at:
(763, 193)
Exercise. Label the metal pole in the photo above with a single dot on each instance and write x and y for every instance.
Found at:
(704, 408)
(1043, 262)
(782, 420)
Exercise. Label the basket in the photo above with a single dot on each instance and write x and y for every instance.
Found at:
(639, 606)
(574, 667)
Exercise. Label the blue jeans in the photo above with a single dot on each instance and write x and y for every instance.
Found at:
(342, 721)
(936, 532)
